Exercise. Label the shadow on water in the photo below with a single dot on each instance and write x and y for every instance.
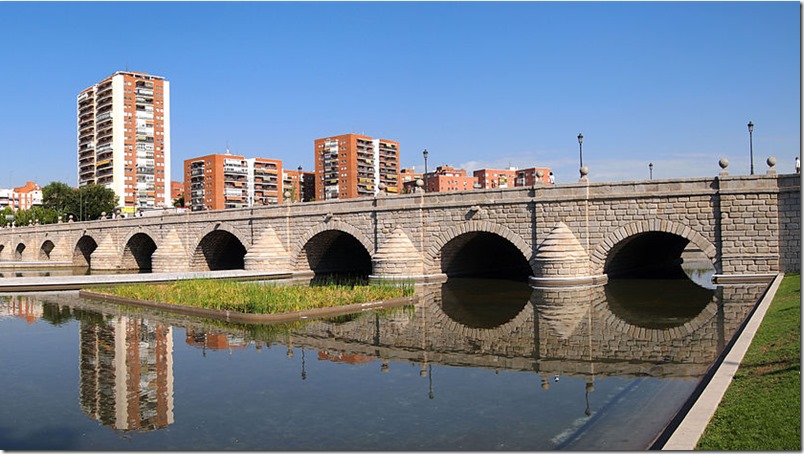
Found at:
(483, 303)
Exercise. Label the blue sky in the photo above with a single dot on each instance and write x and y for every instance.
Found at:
(477, 84)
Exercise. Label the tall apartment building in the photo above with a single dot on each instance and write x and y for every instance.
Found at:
(124, 138)
(220, 181)
(355, 165)
(447, 179)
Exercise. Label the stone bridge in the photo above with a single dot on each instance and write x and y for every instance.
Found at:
(565, 234)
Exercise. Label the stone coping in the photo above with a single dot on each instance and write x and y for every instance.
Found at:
(241, 317)
(52, 283)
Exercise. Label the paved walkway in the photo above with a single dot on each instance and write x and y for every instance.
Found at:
(687, 434)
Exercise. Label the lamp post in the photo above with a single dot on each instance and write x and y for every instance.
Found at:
(425, 153)
(301, 184)
(751, 144)
(650, 166)
(580, 147)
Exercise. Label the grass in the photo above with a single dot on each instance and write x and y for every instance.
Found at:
(253, 298)
(761, 409)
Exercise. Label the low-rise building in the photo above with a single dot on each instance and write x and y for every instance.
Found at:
(447, 179)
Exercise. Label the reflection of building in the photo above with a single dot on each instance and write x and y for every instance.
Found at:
(126, 368)
(215, 341)
(340, 357)
(22, 307)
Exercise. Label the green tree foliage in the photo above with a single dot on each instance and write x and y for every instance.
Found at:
(59, 199)
(93, 200)
(58, 196)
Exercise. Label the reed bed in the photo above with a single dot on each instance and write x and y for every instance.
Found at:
(254, 298)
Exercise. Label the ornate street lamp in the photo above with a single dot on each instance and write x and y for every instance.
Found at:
(425, 153)
(301, 184)
(751, 144)
(650, 166)
(580, 147)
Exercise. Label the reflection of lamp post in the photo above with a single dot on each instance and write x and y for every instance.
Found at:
(425, 153)
(304, 372)
(430, 376)
(650, 167)
(751, 144)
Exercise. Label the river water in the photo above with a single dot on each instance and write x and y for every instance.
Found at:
(474, 365)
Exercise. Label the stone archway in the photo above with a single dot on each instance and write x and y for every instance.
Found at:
(46, 249)
(479, 248)
(82, 253)
(138, 252)
(647, 247)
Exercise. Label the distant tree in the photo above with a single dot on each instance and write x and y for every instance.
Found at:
(36, 214)
(6, 211)
(179, 203)
(93, 200)
(58, 196)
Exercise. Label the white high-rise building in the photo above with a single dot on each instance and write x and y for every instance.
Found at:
(124, 138)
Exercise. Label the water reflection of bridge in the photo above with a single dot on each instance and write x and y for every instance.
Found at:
(583, 331)
(569, 331)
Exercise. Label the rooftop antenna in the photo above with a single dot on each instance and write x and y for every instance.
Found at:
(227, 147)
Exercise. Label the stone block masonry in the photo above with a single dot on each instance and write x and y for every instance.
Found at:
(581, 231)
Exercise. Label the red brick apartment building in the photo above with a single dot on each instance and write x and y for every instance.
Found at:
(355, 165)
(511, 177)
(447, 178)
(220, 181)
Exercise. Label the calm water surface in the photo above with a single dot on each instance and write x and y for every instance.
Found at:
(474, 365)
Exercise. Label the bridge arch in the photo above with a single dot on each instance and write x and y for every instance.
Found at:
(138, 251)
(45, 250)
(480, 248)
(640, 247)
(219, 247)
(82, 253)
(333, 247)
(19, 251)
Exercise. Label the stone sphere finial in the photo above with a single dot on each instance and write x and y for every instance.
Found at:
(584, 171)
(724, 162)
(540, 173)
(420, 182)
(771, 165)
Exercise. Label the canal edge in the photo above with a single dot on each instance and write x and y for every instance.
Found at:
(685, 437)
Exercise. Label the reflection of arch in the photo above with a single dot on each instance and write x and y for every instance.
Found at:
(138, 252)
(84, 248)
(46, 249)
(219, 250)
(18, 251)
(493, 246)
(484, 303)
(665, 236)
(450, 330)
(622, 328)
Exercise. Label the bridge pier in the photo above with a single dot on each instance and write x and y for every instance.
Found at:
(561, 261)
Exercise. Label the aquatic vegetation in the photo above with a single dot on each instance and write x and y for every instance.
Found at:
(257, 298)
